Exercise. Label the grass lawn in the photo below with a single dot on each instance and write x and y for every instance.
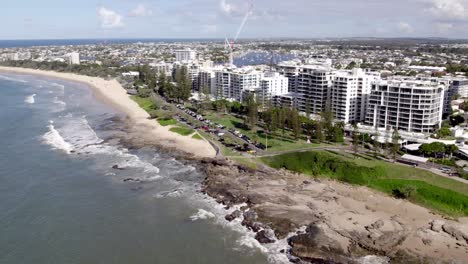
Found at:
(182, 131)
(167, 121)
(144, 103)
(276, 142)
(196, 136)
(438, 193)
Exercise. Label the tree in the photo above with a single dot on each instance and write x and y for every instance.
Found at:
(281, 113)
(443, 132)
(184, 84)
(319, 132)
(355, 138)
(338, 132)
(307, 108)
(236, 107)
(376, 141)
(327, 122)
(295, 123)
(455, 120)
(395, 143)
(450, 149)
(433, 149)
(252, 112)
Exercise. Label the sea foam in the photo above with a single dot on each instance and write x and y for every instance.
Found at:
(30, 99)
(202, 215)
(54, 139)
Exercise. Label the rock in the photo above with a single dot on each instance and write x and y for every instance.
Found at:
(116, 167)
(436, 225)
(314, 247)
(454, 232)
(249, 221)
(265, 237)
(306, 182)
(427, 241)
(234, 215)
(131, 180)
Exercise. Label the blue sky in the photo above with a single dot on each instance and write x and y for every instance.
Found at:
(45, 19)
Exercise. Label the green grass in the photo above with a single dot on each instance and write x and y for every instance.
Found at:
(144, 103)
(167, 121)
(182, 131)
(278, 142)
(438, 193)
(196, 136)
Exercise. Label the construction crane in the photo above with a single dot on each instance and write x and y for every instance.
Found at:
(229, 45)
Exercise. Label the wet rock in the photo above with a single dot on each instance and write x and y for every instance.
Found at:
(249, 221)
(116, 167)
(234, 215)
(131, 180)
(265, 236)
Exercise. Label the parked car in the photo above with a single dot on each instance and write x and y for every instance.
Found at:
(261, 146)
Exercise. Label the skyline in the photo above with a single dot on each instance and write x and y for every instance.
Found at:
(217, 19)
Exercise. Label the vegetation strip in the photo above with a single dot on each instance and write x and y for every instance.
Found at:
(442, 195)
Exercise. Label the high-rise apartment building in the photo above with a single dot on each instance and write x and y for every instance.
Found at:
(409, 105)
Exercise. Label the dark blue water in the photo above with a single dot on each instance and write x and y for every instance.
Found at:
(77, 42)
(265, 58)
(62, 202)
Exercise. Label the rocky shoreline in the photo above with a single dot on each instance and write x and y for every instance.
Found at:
(341, 224)
(323, 221)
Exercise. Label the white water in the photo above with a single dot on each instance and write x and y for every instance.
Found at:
(202, 215)
(30, 99)
(54, 139)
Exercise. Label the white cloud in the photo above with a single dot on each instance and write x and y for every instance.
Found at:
(405, 27)
(449, 9)
(209, 28)
(226, 8)
(444, 27)
(109, 18)
(141, 11)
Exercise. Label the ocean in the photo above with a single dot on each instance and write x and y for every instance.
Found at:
(61, 200)
(78, 42)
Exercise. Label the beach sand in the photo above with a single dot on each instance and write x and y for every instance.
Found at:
(113, 94)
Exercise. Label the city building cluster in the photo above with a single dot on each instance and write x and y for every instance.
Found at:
(408, 87)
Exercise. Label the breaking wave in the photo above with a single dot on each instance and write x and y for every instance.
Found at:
(30, 99)
(202, 215)
(54, 139)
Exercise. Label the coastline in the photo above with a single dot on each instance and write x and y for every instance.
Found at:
(114, 95)
(344, 223)
(333, 222)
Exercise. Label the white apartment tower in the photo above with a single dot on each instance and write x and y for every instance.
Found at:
(272, 84)
(233, 83)
(409, 105)
(207, 80)
(290, 69)
(185, 55)
(73, 58)
(313, 88)
(349, 94)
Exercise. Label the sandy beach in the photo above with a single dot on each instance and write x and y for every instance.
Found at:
(113, 94)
